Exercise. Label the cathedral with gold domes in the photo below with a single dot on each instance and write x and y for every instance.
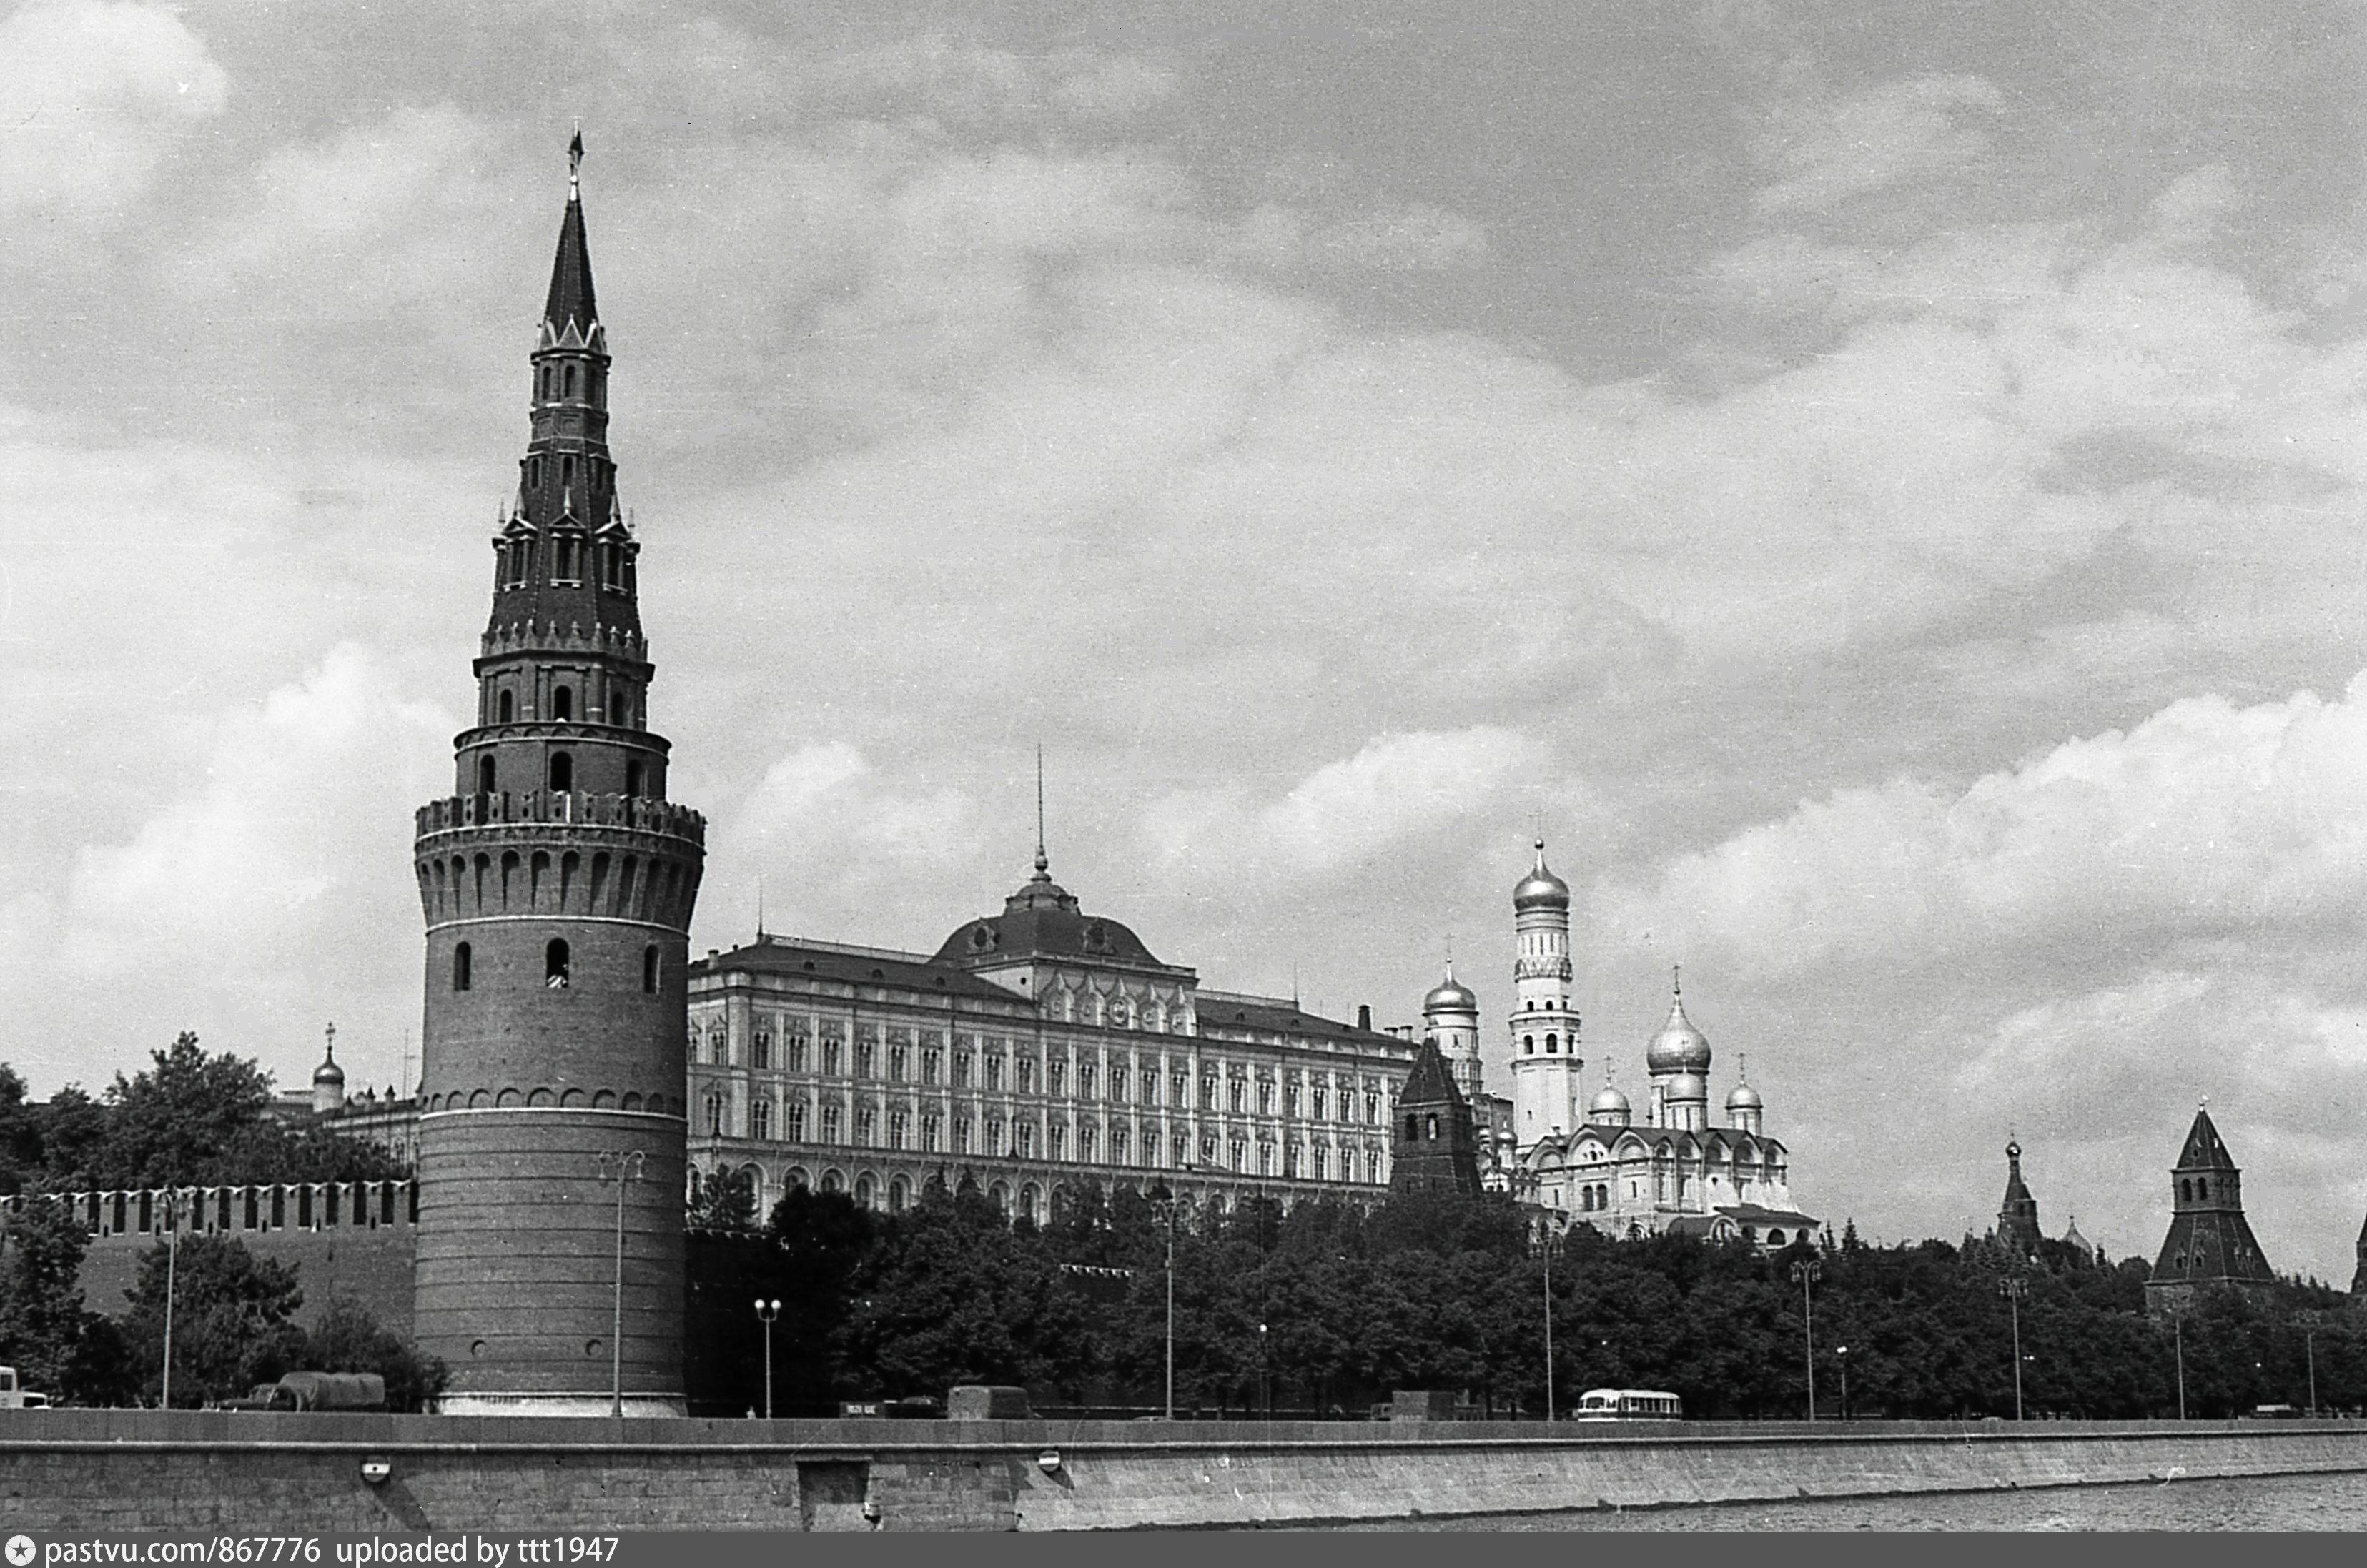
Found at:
(1595, 1161)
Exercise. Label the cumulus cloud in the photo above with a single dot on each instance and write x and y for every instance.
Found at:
(1912, 129)
(840, 846)
(2204, 820)
(257, 902)
(404, 210)
(1398, 787)
(93, 93)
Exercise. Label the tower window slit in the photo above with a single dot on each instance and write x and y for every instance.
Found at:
(650, 968)
(562, 772)
(507, 706)
(557, 972)
(461, 976)
(485, 775)
(562, 703)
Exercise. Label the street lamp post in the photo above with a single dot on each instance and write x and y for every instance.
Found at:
(766, 1313)
(2309, 1342)
(2177, 1343)
(1168, 1204)
(2013, 1288)
(1549, 1370)
(1265, 1393)
(1841, 1353)
(621, 1169)
(1808, 1271)
(171, 1260)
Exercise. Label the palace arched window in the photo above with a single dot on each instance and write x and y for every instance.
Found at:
(461, 976)
(555, 964)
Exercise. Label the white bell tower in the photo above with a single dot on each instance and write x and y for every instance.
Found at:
(1546, 1062)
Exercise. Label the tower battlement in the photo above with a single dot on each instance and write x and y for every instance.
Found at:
(581, 808)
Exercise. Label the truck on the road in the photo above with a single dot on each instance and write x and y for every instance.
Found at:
(315, 1391)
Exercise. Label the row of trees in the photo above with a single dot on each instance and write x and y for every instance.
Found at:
(191, 1117)
(1329, 1307)
(234, 1323)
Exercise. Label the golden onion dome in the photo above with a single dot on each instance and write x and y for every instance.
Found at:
(1679, 1047)
(1609, 1102)
(1541, 889)
(1744, 1098)
(1686, 1086)
(1450, 995)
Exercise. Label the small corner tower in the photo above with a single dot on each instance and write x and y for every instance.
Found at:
(1450, 1020)
(1677, 1058)
(1543, 1024)
(1435, 1145)
(558, 883)
(2210, 1243)
(2017, 1225)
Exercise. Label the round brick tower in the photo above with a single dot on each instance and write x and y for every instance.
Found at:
(558, 883)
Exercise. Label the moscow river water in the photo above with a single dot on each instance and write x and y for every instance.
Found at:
(2250, 1502)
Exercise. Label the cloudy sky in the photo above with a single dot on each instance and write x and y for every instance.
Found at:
(1879, 486)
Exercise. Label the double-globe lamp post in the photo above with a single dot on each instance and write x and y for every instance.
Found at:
(2013, 1288)
(619, 1169)
(766, 1313)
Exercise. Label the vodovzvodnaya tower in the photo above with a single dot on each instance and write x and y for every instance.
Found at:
(558, 885)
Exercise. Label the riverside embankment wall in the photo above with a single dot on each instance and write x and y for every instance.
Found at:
(67, 1470)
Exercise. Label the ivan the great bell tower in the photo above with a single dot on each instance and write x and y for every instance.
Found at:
(558, 883)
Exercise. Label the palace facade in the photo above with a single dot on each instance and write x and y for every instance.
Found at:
(1033, 1051)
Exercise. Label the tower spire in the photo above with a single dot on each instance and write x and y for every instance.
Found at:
(1043, 861)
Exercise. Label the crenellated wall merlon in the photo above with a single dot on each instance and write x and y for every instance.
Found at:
(193, 1211)
(561, 808)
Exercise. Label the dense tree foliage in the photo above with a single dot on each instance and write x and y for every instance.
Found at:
(233, 1320)
(1329, 1308)
(189, 1118)
(348, 1339)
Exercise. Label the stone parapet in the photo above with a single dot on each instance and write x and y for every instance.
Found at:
(561, 808)
(70, 1471)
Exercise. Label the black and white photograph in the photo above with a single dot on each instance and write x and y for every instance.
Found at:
(1349, 766)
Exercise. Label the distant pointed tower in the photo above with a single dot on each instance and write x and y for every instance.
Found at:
(1435, 1143)
(1546, 1062)
(1450, 1020)
(2359, 1279)
(558, 885)
(2017, 1225)
(2210, 1243)
(1678, 1059)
